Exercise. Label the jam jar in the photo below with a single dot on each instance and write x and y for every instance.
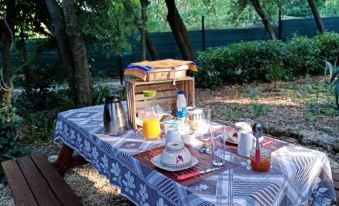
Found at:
(264, 164)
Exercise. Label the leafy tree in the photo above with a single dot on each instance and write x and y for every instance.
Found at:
(329, 8)
(7, 36)
(72, 49)
(179, 30)
(316, 15)
(257, 5)
(25, 15)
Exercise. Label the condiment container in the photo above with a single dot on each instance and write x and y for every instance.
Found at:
(264, 163)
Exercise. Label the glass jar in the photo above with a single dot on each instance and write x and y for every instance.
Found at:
(264, 163)
(194, 118)
(151, 120)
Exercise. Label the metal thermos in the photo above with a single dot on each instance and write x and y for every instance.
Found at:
(114, 116)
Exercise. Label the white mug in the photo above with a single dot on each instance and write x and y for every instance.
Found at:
(245, 144)
(173, 135)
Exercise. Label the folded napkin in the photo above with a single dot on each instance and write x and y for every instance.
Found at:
(140, 69)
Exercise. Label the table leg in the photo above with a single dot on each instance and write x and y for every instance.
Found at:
(64, 160)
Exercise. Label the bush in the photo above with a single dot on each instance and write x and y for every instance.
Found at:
(328, 43)
(9, 123)
(239, 62)
(254, 60)
(302, 56)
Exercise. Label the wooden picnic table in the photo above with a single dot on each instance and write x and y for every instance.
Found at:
(297, 174)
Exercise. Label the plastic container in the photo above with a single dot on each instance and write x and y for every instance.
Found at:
(181, 105)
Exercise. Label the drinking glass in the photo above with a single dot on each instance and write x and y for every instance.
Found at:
(219, 136)
(206, 124)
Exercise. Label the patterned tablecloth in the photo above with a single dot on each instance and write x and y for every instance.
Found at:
(298, 175)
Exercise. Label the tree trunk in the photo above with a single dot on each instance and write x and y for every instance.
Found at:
(151, 49)
(61, 39)
(179, 30)
(264, 18)
(7, 37)
(316, 16)
(72, 50)
(146, 39)
(82, 76)
(144, 5)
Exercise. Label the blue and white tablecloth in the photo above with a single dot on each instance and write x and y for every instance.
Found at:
(298, 175)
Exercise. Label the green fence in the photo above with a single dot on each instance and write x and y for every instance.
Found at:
(102, 60)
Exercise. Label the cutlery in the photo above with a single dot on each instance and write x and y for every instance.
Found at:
(196, 173)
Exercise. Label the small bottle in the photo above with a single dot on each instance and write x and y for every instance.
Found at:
(181, 105)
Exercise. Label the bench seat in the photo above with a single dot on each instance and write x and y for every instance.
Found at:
(34, 181)
(336, 185)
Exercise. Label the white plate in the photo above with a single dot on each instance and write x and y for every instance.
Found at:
(156, 161)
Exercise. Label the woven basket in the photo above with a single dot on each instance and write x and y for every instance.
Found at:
(167, 73)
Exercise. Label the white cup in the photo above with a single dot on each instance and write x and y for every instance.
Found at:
(173, 135)
(245, 144)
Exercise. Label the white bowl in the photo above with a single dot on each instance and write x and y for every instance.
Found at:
(176, 155)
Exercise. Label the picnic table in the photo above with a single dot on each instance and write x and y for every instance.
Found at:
(298, 175)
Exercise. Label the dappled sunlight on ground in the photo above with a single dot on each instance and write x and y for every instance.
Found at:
(93, 188)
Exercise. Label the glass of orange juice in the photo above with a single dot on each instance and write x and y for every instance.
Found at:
(151, 122)
(151, 128)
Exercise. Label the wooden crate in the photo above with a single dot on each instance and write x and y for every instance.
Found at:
(166, 94)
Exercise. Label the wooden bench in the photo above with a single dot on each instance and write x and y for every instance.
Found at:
(34, 181)
(336, 185)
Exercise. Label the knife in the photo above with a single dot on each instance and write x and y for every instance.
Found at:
(196, 173)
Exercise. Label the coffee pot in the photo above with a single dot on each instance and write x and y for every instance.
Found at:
(114, 116)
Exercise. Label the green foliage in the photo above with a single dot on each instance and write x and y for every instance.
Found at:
(330, 8)
(110, 21)
(328, 44)
(276, 73)
(258, 60)
(239, 62)
(334, 80)
(9, 123)
(252, 93)
(100, 93)
(302, 56)
(39, 109)
(257, 109)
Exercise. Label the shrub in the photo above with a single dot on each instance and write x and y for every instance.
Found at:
(255, 60)
(9, 123)
(328, 44)
(302, 56)
(239, 62)
(275, 74)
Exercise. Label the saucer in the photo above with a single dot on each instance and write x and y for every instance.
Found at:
(157, 162)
